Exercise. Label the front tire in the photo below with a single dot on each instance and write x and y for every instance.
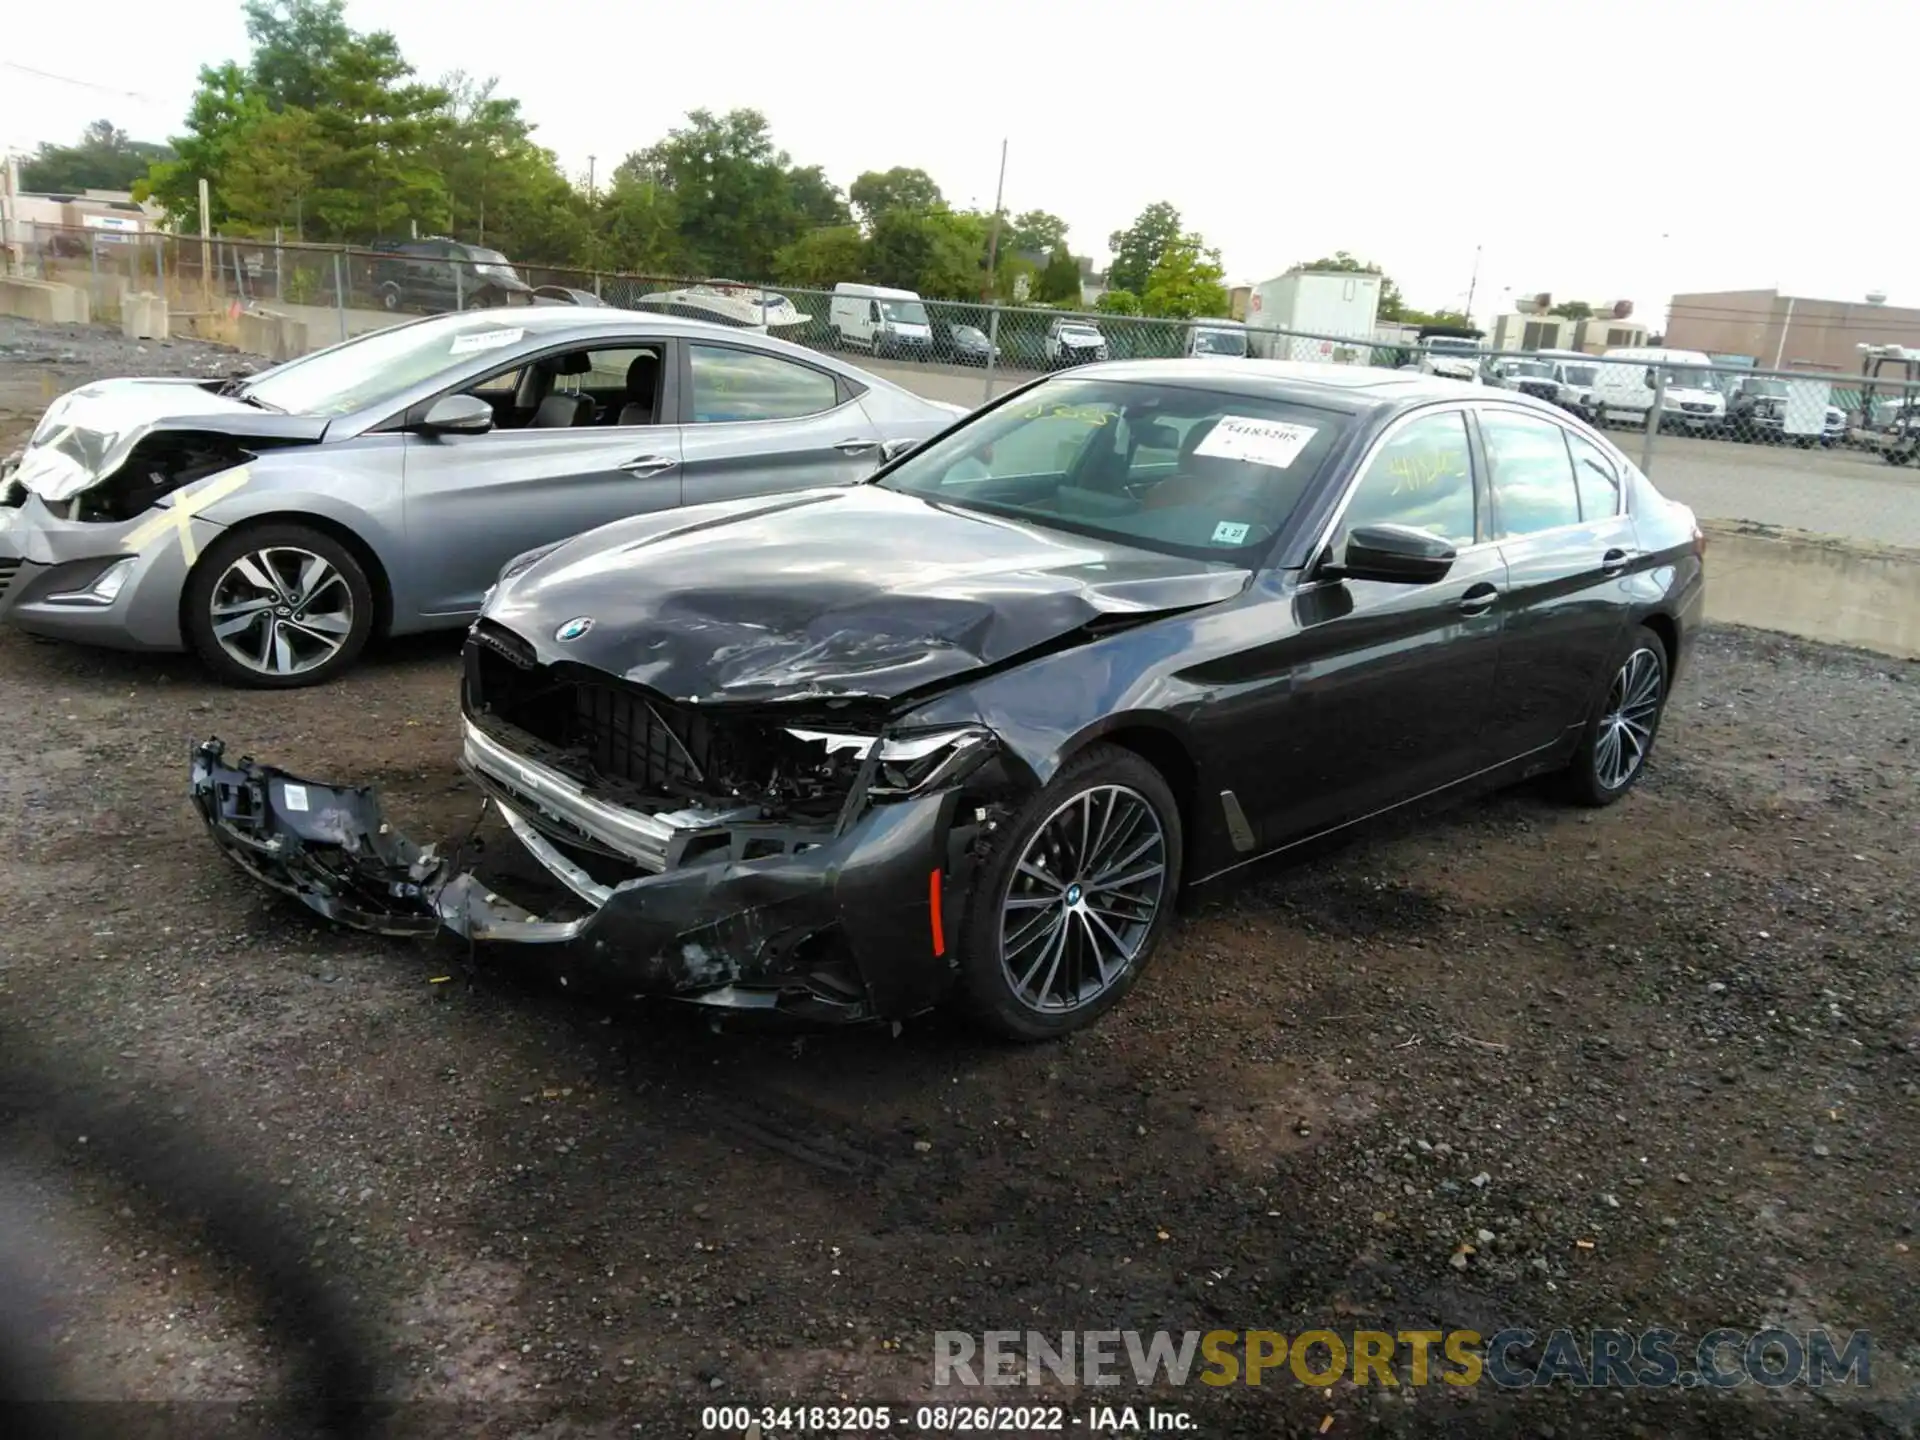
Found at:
(277, 607)
(1613, 749)
(1074, 898)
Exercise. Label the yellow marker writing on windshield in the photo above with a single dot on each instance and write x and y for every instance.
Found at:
(179, 515)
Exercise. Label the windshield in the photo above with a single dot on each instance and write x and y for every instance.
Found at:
(1532, 368)
(1079, 332)
(1188, 472)
(1581, 374)
(1452, 346)
(1775, 388)
(1219, 342)
(381, 365)
(1688, 377)
(904, 312)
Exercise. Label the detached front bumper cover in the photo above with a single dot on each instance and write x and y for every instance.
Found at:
(325, 845)
(855, 927)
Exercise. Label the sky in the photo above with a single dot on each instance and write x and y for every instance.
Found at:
(1625, 150)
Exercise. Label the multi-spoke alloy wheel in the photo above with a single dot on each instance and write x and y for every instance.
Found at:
(1083, 899)
(1071, 902)
(1626, 727)
(277, 606)
(282, 611)
(1619, 734)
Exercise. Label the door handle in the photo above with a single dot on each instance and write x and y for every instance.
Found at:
(1479, 598)
(1614, 561)
(644, 465)
(857, 447)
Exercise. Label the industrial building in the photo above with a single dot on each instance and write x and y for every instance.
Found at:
(1788, 332)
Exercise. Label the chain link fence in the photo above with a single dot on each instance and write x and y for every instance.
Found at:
(329, 293)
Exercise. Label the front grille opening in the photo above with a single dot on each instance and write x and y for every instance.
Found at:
(640, 749)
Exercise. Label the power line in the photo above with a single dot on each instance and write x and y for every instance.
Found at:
(83, 84)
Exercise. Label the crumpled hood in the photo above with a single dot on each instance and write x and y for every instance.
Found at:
(88, 433)
(845, 592)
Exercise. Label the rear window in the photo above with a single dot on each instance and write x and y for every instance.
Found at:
(1192, 472)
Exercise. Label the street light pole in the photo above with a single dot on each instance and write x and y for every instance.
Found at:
(1473, 284)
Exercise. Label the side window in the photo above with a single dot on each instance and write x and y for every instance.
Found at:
(1532, 476)
(741, 385)
(1595, 478)
(506, 383)
(1423, 477)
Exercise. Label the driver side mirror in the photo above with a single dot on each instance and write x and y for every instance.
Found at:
(456, 415)
(1395, 554)
(894, 449)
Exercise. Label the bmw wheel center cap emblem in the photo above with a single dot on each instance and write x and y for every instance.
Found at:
(574, 628)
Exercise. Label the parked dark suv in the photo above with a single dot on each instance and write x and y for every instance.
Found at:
(435, 273)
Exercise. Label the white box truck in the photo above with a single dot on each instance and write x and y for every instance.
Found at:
(1323, 309)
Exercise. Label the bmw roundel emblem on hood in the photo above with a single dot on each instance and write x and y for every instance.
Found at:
(574, 628)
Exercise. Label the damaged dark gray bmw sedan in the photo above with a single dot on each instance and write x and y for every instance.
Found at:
(966, 730)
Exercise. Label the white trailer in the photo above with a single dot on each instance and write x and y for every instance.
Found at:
(1323, 309)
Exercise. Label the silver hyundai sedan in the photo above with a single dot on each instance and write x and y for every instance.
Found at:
(275, 524)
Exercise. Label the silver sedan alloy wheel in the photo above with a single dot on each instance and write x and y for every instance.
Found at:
(1626, 726)
(1082, 899)
(282, 610)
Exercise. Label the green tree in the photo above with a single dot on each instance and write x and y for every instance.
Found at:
(1137, 249)
(818, 199)
(275, 160)
(1117, 302)
(1573, 310)
(1392, 304)
(1185, 281)
(1035, 231)
(732, 187)
(1060, 281)
(105, 159)
(823, 258)
(940, 254)
(296, 44)
(640, 220)
(879, 191)
(368, 144)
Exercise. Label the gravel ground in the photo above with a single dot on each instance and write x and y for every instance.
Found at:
(1509, 1064)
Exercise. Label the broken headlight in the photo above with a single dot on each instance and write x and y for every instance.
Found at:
(910, 764)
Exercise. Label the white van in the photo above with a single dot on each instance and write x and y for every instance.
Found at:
(1216, 337)
(1625, 388)
(885, 321)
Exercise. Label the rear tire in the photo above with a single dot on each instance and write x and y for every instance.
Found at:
(1074, 898)
(277, 607)
(1613, 749)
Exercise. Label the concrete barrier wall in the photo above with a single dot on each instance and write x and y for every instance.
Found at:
(1841, 591)
(44, 300)
(278, 337)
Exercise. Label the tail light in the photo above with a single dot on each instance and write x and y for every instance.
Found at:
(1699, 541)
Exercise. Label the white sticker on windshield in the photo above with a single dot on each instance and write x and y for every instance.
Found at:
(1228, 533)
(1258, 442)
(476, 340)
(295, 796)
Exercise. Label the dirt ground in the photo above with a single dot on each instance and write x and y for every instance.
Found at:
(1658, 1066)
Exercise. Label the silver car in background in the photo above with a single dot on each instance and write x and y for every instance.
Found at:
(275, 524)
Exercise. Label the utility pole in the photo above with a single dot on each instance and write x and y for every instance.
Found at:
(206, 248)
(1473, 284)
(590, 160)
(993, 236)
